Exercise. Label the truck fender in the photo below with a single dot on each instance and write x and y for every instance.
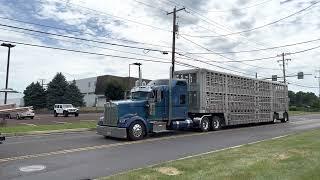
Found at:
(135, 118)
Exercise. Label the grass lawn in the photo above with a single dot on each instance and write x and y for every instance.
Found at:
(295, 113)
(26, 128)
(294, 157)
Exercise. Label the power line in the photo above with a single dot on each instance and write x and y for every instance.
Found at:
(258, 27)
(254, 50)
(89, 45)
(117, 17)
(76, 31)
(299, 85)
(83, 52)
(216, 24)
(82, 39)
(231, 60)
(149, 5)
(241, 8)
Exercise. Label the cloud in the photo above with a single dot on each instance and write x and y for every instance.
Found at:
(286, 1)
(30, 64)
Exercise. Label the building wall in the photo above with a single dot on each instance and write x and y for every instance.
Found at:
(87, 87)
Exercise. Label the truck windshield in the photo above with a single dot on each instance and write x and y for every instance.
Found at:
(141, 95)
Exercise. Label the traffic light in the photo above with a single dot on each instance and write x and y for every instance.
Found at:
(274, 78)
(300, 75)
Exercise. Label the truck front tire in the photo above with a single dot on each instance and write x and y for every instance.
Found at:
(55, 114)
(205, 124)
(136, 131)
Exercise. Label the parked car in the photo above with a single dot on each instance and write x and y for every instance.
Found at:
(65, 110)
(22, 115)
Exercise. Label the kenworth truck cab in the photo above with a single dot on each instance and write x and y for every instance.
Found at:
(147, 111)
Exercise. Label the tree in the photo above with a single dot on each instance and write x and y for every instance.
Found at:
(73, 95)
(114, 91)
(56, 90)
(35, 95)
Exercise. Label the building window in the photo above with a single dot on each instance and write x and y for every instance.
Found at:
(89, 84)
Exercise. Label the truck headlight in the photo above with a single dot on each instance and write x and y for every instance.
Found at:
(121, 121)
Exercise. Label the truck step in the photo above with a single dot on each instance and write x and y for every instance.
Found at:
(159, 126)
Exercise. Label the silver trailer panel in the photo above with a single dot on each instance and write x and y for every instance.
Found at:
(240, 99)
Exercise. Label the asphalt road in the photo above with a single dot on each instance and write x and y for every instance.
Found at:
(41, 119)
(86, 155)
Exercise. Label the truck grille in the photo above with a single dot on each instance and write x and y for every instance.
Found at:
(110, 114)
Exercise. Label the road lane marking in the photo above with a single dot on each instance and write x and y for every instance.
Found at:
(61, 122)
(32, 168)
(113, 145)
(88, 120)
(28, 124)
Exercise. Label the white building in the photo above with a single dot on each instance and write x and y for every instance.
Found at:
(87, 87)
(93, 88)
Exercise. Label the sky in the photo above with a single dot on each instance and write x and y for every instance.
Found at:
(205, 26)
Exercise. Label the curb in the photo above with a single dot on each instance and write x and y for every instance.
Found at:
(47, 132)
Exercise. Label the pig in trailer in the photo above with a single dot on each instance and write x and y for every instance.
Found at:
(196, 98)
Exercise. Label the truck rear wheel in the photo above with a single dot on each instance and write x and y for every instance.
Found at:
(136, 131)
(216, 123)
(205, 124)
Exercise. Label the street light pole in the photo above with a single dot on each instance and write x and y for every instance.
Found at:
(9, 46)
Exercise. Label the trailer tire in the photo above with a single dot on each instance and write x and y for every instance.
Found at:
(205, 124)
(216, 123)
(285, 117)
(275, 118)
(136, 131)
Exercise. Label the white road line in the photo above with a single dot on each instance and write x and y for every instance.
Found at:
(61, 122)
(28, 124)
(88, 120)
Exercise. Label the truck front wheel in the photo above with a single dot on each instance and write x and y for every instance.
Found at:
(136, 131)
(205, 124)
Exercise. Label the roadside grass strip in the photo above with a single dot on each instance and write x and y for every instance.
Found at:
(286, 157)
(60, 126)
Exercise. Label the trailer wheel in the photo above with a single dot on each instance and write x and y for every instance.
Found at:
(205, 124)
(275, 118)
(216, 123)
(136, 131)
(285, 117)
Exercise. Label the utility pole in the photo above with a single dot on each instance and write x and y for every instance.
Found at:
(318, 77)
(42, 82)
(174, 32)
(284, 65)
(9, 46)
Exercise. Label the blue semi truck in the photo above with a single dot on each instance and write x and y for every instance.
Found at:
(194, 99)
